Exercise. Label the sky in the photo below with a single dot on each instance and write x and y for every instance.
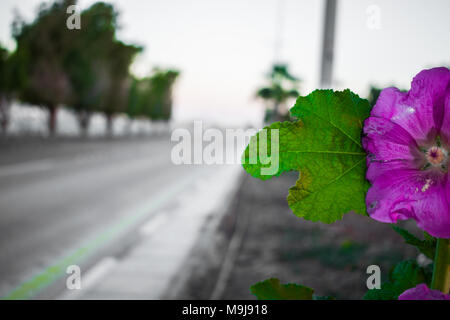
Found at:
(225, 48)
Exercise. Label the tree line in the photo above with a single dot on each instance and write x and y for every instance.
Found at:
(85, 69)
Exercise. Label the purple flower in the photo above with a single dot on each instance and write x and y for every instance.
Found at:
(408, 144)
(422, 292)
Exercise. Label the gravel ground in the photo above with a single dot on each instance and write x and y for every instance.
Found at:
(332, 259)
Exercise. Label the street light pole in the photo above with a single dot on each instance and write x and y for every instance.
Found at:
(326, 71)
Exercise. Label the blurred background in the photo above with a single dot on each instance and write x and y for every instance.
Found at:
(90, 93)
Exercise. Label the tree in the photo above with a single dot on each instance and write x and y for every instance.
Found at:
(86, 69)
(373, 95)
(5, 87)
(135, 95)
(97, 64)
(138, 99)
(161, 85)
(40, 56)
(117, 66)
(282, 86)
(151, 97)
(84, 61)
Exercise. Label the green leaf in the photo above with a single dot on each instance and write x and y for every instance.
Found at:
(427, 246)
(324, 145)
(406, 274)
(271, 289)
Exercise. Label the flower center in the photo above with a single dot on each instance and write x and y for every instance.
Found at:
(436, 156)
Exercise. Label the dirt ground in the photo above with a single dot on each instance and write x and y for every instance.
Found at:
(331, 259)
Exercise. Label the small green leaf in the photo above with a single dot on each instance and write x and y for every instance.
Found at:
(271, 289)
(406, 274)
(324, 145)
(427, 246)
(429, 237)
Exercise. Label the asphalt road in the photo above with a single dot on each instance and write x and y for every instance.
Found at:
(56, 196)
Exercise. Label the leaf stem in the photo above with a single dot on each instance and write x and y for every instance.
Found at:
(441, 271)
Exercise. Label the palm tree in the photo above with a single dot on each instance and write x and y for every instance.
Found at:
(283, 86)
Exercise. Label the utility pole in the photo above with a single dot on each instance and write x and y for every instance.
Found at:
(326, 70)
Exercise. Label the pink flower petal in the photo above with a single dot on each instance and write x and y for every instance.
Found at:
(387, 141)
(421, 110)
(428, 90)
(378, 168)
(445, 128)
(401, 131)
(407, 193)
(422, 292)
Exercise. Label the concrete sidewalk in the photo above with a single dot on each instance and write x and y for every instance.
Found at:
(150, 266)
(330, 258)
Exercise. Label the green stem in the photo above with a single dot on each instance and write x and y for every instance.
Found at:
(441, 271)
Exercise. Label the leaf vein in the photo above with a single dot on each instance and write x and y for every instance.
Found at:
(334, 180)
(339, 129)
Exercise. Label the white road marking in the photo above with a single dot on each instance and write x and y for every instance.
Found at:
(153, 224)
(26, 167)
(48, 164)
